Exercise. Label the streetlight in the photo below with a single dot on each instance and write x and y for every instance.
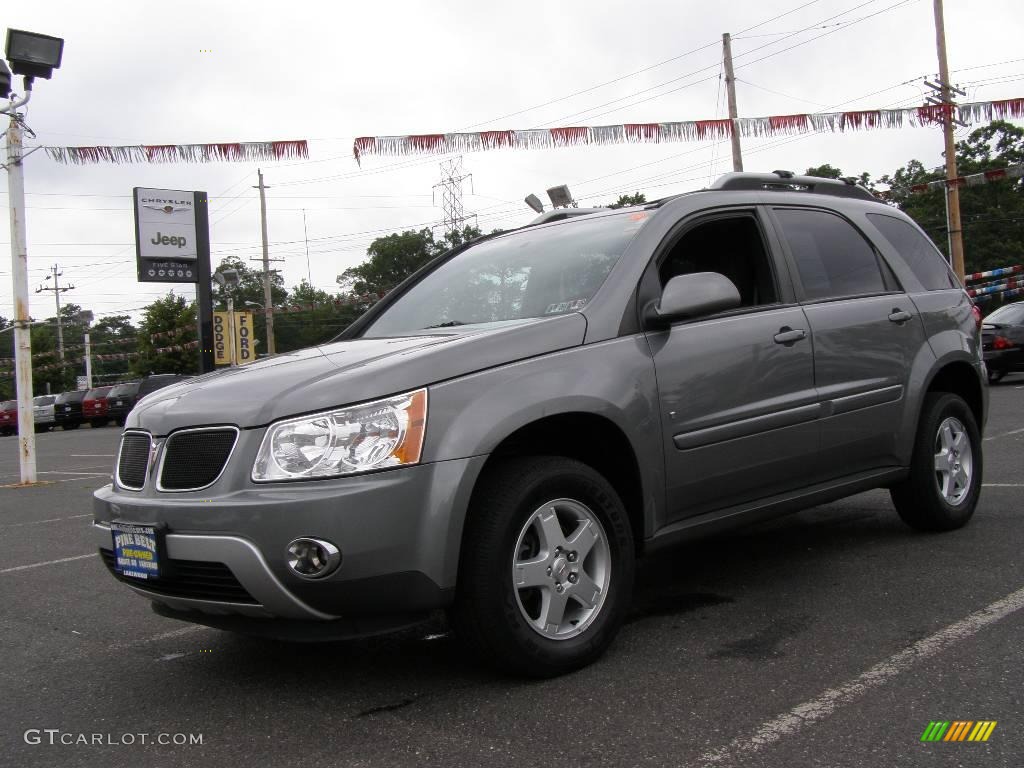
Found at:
(30, 55)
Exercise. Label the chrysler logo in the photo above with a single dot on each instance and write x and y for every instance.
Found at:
(167, 208)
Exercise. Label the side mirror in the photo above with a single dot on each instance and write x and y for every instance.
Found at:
(699, 293)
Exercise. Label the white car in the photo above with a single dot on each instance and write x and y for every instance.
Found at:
(42, 412)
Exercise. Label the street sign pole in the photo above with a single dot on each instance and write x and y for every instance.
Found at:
(204, 295)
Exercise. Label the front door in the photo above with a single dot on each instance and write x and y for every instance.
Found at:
(737, 396)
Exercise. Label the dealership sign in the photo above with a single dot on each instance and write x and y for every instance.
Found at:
(244, 346)
(166, 235)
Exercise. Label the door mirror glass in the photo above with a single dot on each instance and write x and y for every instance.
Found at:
(693, 295)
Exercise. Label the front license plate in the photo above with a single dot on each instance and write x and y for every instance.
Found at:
(136, 550)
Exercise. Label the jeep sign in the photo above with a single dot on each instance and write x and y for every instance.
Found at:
(165, 224)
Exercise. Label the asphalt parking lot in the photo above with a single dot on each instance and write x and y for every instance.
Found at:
(828, 638)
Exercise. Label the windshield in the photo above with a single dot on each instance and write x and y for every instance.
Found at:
(45, 400)
(1011, 314)
(535, 272)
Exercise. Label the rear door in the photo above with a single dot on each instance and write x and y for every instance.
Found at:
(866, 333)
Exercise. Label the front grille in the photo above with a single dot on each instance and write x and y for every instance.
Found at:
(194, 458)
(133, 460)
(193, 579)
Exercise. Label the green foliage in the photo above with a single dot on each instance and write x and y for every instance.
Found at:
(394, 257)
(322, 318)
(992, 215)
(825, 171)
(171, 313)
(624, 201)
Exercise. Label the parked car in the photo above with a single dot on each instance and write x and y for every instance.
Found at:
(67, 409)
(95, 406)
(506, 431)
(156, 381)
(42, 412)
(121, 399)
(1002, 338)
(9, 417)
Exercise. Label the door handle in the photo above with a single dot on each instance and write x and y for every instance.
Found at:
(787, 335)
(899, 316)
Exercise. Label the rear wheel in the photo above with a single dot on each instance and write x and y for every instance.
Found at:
(945, 470)
(546, 573)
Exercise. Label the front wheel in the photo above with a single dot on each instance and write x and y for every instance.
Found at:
(945, 469)
(546, 573)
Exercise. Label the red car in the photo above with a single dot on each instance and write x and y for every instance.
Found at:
(95, 407)
(9, 417)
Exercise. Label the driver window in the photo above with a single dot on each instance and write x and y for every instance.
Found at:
(731, 246)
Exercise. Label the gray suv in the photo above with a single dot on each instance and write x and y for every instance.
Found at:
(507, 431)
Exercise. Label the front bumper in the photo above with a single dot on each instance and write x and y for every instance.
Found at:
(398, 532)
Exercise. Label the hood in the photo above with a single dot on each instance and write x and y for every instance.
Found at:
(348, 372)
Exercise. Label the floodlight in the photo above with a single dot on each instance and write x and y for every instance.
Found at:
(560, 196)
(534, 202)
(5, 80)
(226, 278)
(32, 54)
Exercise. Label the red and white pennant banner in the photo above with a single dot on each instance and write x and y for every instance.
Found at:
(973, 180)
(182, 153)
(690, 130)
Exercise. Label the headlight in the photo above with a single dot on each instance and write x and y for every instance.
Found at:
(384, 433)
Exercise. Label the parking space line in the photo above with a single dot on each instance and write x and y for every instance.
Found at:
(1002, 485)
(92, 455)
(48, 562)
(40, 522)
(1006, 434)
(826, 703)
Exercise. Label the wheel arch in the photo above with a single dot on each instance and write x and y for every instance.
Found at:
(589, 438)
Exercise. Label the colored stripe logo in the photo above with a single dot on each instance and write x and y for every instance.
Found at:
(958, 730)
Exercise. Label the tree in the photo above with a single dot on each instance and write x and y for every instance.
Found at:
(992, 215)
(624, 201)
(825, 171)
(394, 257)
(321, 318)
(174, 318)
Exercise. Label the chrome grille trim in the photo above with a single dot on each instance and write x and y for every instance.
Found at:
(117, 462)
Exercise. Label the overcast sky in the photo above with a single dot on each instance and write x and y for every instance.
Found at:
(193, 72)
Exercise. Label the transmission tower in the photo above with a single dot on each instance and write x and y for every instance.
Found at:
(452, 177)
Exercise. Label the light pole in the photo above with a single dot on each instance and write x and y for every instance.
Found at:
(30, 55)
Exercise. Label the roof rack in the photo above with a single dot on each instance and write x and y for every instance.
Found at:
(787, 181)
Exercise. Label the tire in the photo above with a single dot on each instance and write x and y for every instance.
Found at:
(921, 499)
(510, 521)
(995, 376)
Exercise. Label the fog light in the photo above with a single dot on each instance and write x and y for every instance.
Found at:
(313, 558)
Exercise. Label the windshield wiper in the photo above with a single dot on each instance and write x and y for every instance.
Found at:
(448, 324)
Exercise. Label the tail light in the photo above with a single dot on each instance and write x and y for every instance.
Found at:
(977, 315)
(1001, 342)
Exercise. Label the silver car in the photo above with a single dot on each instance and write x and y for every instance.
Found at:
(42, 412)
(509, 429)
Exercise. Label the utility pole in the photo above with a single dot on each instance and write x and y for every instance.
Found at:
(268, 306)
(305, 236)
(956, 242)
(19, 275)
(454, 217)
(56, 274)
(730, 89)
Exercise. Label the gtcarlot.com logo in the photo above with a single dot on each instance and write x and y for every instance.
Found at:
(55, 736)
(958, 730)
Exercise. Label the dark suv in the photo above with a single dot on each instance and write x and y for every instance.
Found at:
(511, 427)
(67, 409)
(121, 399)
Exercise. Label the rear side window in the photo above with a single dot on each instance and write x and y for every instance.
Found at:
(923, 258)
(833, 258)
